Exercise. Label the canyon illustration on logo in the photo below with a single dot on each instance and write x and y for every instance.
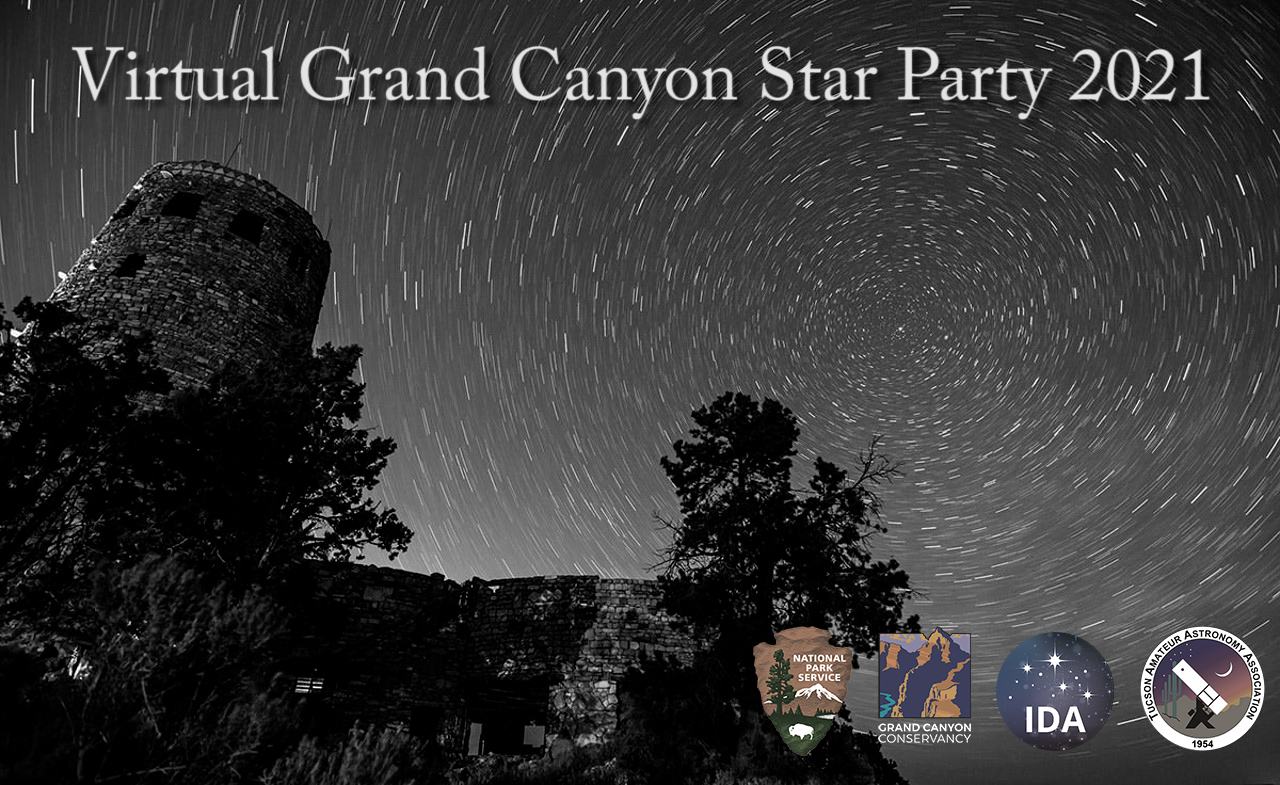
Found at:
(802, 681)
(925, 675)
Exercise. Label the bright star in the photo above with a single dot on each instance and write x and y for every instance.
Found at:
(1063, 686)
(1055, 660)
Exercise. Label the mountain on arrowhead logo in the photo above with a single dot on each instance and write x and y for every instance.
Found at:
(925, 675)
(802, 680)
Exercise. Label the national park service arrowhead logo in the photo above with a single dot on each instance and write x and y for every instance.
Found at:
(802, 680)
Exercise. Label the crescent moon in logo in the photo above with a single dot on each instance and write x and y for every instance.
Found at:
(1228, 673)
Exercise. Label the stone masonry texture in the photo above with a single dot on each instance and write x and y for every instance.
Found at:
(396, 641)
(219, 266)
(236, 271)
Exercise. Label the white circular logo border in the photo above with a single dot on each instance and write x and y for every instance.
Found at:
(1168, 731)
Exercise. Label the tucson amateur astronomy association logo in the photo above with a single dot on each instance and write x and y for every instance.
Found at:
(1202, 688)
(1054, 691)
(924, 677)
(802, 680)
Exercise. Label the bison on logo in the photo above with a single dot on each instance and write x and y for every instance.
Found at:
(802, 680)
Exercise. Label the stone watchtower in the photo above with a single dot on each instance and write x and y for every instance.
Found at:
(215, 263)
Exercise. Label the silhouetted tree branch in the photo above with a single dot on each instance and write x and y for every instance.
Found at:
(752, 554)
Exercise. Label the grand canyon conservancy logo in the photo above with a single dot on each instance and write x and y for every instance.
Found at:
(802, 680)
(1054, 691)
(924, 677)
(1202, 688)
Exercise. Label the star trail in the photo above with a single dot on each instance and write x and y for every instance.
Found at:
(1065, 325)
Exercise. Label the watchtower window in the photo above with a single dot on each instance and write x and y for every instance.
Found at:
(183, 205)
(424, 722)
(297, 260)
(247, 224)
(507, 716)
(125, 210)
(129, 266)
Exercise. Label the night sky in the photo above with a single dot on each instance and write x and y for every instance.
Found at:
(913, 641)
(1210, 659)
(1066, 325)
(1060, 672)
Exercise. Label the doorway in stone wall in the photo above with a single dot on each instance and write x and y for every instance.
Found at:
(507, 716)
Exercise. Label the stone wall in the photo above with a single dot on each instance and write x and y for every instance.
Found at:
(215, 263)
(581, 632)
(386, 643)
(456, 661)
(218, 266)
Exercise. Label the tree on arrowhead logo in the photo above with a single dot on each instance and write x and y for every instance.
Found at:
(802, 681)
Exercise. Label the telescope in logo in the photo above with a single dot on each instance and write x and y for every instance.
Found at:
(1206, 694)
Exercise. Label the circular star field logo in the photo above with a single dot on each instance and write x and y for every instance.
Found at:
(1054, 691)
(1202, 688)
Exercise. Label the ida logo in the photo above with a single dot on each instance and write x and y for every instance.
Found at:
(1054, 691)
(802, 681)
(1043, 725)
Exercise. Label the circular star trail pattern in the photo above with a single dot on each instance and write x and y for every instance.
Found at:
(1066, 326)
